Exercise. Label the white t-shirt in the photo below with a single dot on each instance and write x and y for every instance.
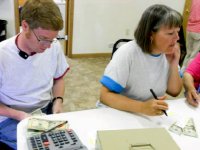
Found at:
(26, 84)
(132, 73)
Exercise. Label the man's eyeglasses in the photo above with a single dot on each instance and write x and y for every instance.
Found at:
(43, 41)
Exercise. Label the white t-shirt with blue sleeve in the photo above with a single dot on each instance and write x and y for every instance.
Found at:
(132, 73)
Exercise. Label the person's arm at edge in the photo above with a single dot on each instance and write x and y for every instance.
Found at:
(120, 102)
(175, 83)
(191, 93)
(58, 91)
(12, 113)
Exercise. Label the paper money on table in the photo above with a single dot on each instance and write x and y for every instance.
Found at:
(190, 129)
(38, 124)
(176, 129)
(46, 125)
(31, 133)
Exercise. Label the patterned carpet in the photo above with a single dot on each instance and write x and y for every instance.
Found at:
(82, 83)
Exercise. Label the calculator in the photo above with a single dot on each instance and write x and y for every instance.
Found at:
(56, 140)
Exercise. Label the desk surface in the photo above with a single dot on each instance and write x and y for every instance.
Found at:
(86, 123)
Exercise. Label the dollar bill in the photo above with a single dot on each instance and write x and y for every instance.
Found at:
(38, 124)
(31, 133)
(190, 129)
(46, 125)
(57, 125)
(176, 129)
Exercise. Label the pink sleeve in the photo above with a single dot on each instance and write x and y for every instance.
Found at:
(194, 69)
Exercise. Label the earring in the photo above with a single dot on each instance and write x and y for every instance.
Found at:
(151, 39)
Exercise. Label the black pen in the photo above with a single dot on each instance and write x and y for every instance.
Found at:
(155, 96)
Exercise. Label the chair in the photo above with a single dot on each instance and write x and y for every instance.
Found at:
(117, 44)
(182, 45)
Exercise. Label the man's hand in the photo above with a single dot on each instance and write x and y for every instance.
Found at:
(22, 115)
(57, 106)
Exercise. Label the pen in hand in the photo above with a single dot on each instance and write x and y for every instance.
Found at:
(155, 96)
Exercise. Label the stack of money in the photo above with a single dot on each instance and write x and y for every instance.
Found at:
(188, 129)
(38, 126)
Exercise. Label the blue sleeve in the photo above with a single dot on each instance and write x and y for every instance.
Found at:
(111, 84)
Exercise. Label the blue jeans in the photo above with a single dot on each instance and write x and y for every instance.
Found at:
(48, 109)
(8, 129)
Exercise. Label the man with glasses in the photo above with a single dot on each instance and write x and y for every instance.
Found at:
(32, 66)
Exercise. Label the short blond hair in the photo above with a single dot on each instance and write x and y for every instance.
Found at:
(42, 13)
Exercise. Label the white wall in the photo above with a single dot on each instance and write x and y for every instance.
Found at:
(62, 6)
(7, 13)
(99, 23)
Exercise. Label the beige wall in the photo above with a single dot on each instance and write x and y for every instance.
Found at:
(99, 23)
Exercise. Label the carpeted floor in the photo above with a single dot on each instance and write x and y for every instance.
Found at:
(82, 82)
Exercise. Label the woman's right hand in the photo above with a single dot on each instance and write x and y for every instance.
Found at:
(154, 107)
